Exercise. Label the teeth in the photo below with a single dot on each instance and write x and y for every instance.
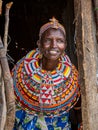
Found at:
(53, 52)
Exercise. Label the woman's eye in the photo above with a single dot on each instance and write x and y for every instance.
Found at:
(60, 41)
(47, 40)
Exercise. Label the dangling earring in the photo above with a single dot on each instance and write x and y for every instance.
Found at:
(40, 55)
(63, 54)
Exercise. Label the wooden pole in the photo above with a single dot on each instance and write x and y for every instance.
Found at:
(9, 92)
(2, 102)
(86, 52)
(8, 6)
(2, 91)
(8, 82)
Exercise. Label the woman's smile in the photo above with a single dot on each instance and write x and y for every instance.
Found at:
(53, 52)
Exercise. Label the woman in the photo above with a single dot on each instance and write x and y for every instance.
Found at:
(46, 83)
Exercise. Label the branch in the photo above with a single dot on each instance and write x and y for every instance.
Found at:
(9, 92)
(8, 6)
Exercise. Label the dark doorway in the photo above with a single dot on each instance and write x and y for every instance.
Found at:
(26, 18)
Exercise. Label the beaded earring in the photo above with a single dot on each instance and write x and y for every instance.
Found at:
(63, 54)
(40, 54)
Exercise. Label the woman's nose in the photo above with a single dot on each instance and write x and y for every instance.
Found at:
(54, 43)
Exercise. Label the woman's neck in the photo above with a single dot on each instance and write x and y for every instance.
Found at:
(48, 64)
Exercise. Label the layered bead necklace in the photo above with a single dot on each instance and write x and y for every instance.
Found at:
(50, 92)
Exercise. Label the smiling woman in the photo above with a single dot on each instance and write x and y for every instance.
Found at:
(46, 83)
(26, 17)
(51, 65)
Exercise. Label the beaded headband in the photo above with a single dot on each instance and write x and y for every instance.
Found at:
(52, 24)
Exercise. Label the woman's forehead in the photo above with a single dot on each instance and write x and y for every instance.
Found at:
(52, 30)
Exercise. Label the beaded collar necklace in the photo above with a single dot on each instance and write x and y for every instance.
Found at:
(39, 90)
(46, 77)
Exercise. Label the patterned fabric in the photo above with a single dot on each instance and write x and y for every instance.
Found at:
(26, 121)
(39, 91)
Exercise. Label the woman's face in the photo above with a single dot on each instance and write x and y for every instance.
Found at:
(52, 44)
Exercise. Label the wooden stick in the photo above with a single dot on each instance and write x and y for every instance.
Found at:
(8, 6)
(8, 82)
(3, 108)
(9, 92)
(1, 7)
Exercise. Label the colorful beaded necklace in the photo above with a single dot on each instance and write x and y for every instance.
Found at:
(50, 92)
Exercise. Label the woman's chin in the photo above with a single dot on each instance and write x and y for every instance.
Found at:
(53, 57)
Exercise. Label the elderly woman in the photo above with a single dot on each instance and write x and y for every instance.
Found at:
(46, 83)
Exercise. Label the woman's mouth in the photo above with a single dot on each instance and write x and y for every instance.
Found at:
(53, 52)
